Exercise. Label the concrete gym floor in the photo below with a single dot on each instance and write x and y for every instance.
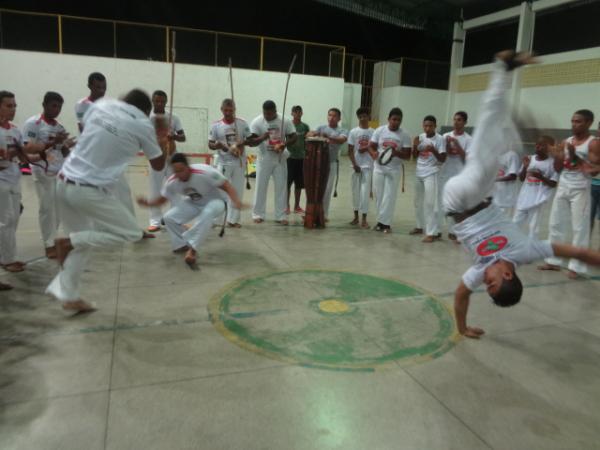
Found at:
(274, 344)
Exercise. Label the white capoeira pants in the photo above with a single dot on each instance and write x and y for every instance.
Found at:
(333, 169)
(235, 174)
(10, 211)
(94, 218)
(571, 209)
(475, 183)
(156, 178)
(267, 167)
(385, 186)
(361, 190)
(123, 193)
(442, 219)
(531, 217)
(427, 197)
(186, 211)
(45, 188)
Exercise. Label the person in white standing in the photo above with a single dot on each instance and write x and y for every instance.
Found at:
(386, 175)
(45, 136)
(429, 149)
(571, 205)
(361, 156)
(175, 134)
(11, 143)
(206, 191)
(229, 137)
(97, 86)
(336, 136)
(114, 131)
(272, 161)
(506, 188)
(539, 180)
(458, 142)
(496, 244)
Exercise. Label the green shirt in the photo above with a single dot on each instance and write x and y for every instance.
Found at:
(297, 149)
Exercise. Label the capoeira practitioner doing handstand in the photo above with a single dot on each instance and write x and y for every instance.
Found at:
(93, 216)
(229, 136)
(496, 244)
(205, 192)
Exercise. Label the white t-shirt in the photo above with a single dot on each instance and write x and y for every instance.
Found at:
(221, 131)
(571, 176)
(202, 186)
(490, 236)
(260, 126)
(385, 138)
(454, 164)
(114, 132)
(533, 192)
(10, 138)
(38, 129)
(427, 163)
(505, 192)
(327, 131)
(81, 107)
(360, 138)
(176, 126)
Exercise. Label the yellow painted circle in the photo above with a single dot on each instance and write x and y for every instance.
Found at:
(334, 306)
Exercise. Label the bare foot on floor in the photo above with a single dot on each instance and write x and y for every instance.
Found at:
(549, 267)
(354, 222)
(190, 256)
(573, 275)
(63, 248)
(78, 306)
(365, 224)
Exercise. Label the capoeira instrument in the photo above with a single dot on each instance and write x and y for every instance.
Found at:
(287, 83)
(386, 157)
(316, 173)
(171, 144)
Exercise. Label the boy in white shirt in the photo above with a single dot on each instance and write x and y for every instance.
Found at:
(205, 191)
(539, 180)
(505, 189)
(44, 135)
(496, 244)
(429, 148)
(361, 158)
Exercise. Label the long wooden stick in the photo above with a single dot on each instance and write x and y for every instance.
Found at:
(287, 83)
(172, 97)
(235, 130)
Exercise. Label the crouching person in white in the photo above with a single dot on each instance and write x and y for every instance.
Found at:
(496, 244)
(205, 191)
(114, 131)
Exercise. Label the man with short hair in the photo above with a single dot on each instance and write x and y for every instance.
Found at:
(97, 87)
(229, 137)
(205, 191)
(295, 163)
(43, 135)
(571, 205)
(114, 131)
(388, 139)
(429, 149)
(336, 136)
(11, 143)
(497, 245)
(361, 158)
(266, 132)
(175, 134)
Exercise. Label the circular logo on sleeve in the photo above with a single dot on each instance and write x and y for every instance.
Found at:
(491, 245)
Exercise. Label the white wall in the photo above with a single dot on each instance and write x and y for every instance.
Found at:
(352, 97)
(415, 103)
(200, 88)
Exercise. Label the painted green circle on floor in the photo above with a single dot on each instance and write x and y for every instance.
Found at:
(335, 320)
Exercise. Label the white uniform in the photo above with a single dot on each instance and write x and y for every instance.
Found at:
(572, 204)
(488, 235)
(534, 194)
(334, 152)
(156, 179)
(427, 190)
(92, 215)
(202, 200)
(81, 107)
(386, 178)
(453, 165)
(270, 163)
(233, 168)
(505, 192)
(39, 129)
(10, 194)
(361, 182)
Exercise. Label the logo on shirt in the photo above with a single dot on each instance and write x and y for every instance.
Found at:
(192, 193)
(491, 245)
